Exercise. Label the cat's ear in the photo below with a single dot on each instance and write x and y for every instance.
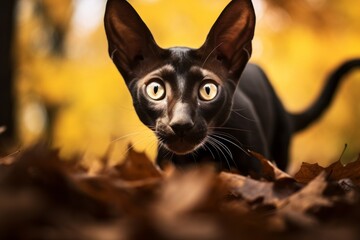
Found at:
(229, 39)
(130, 41)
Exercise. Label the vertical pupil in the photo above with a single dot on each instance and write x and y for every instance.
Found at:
(156, 89)
(207, 90)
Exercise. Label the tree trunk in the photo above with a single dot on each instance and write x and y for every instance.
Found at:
(7, 23)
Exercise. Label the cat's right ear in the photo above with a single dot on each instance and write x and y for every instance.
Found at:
(130, 41)
(229, 39)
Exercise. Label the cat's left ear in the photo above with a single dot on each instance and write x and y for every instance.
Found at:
(229, 39)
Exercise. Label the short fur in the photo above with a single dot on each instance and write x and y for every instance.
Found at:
(245, 112)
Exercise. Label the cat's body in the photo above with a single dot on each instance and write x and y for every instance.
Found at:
(208, 104)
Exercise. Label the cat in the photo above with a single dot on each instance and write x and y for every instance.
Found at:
(208, 104)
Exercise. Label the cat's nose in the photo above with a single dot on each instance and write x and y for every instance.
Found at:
(181, 119)
(181, 125)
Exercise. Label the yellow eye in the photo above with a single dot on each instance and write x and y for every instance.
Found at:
(155, 90)
(208, 91)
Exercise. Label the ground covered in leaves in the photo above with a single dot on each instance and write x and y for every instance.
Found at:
(45, 197)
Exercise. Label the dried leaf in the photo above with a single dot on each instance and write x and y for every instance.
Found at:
(184, 191)
(181, 196)
(269, 171)
(308, 172)
(252, 190)
(135, 200)
(136, 166)
(338, 171)
(335, 172)
(295, 207)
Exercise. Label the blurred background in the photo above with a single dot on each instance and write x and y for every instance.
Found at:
(57, 81)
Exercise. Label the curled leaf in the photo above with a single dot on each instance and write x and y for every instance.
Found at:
(335, 171)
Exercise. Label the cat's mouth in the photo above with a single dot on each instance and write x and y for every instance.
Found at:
(182, 147)
(182, 144)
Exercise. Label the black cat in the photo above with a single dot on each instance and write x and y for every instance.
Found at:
(208, 104)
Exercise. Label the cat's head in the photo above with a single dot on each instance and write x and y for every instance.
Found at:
(181, 93)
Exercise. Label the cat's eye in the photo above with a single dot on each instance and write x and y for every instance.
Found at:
(208, 91)
(155, 90)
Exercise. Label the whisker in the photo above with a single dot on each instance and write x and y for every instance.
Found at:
(241, 115)
(228, 135)
(133, 145)
(225, 148)
(215, 144)
(152, 144)
(208, 149)
(229, 128)
(168, 154)
(212, 144)
(128, 135)
(220, 135)
(153, 128)
(194, 156)
(127, 108)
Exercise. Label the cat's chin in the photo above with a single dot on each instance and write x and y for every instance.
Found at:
(182, 149)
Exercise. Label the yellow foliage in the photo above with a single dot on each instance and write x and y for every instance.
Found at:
(95, 107)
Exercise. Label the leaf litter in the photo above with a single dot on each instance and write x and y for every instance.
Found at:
(45, 197)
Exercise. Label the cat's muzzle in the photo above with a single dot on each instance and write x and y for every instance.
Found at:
(181, 142)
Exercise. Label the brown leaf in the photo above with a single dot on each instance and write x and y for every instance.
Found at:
(184, 191)
(182, 195)
(308, 172)
(335, 172)
(136, 166)
(338, 171)
(135, 200)
(45, 193)
(269, 171)
(252, 190)
(295, 207)
(119, 198)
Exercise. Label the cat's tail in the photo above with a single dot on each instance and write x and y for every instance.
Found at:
(302, 120)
